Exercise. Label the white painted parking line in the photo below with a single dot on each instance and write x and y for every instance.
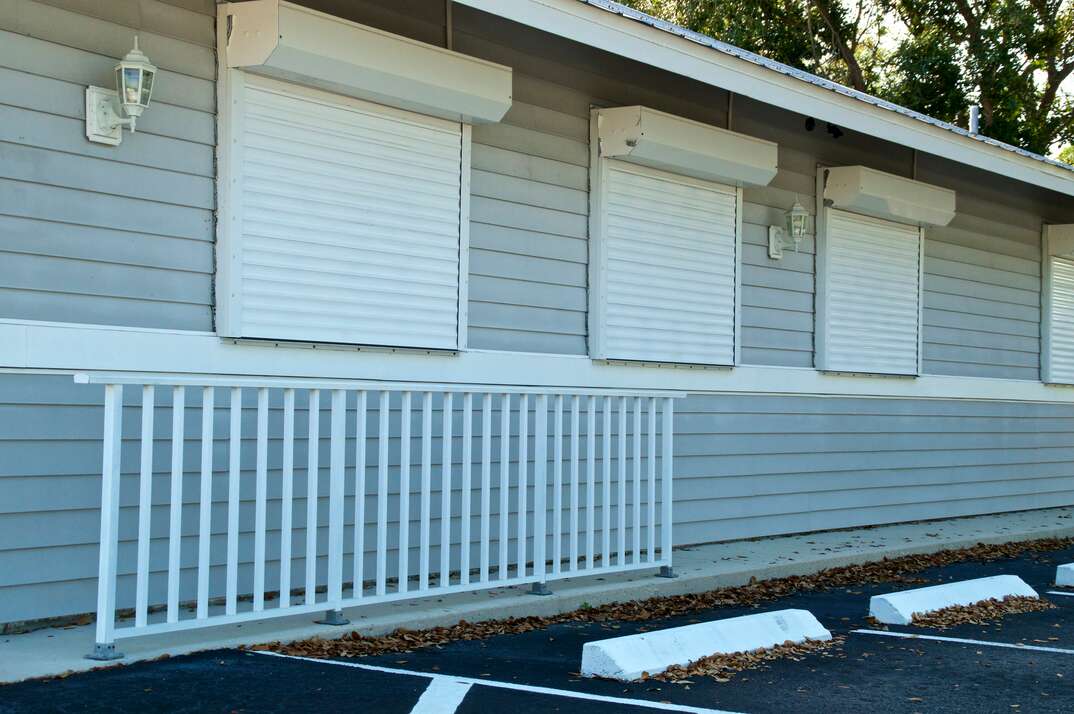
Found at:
(961, 640)
(442, 696)
(1056, 592)
(662, 706)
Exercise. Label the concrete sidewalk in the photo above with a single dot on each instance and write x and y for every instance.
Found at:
(700, 568)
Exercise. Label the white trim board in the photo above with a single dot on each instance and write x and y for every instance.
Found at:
(625, 37)
(27, 345)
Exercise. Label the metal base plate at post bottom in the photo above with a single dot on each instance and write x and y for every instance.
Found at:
(666, 571)
(104, 653)
(333, 617)
(540, 589)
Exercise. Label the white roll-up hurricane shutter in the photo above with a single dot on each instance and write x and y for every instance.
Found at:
(349, 220)
(1061, 322)
(668, 266)
(873, 295)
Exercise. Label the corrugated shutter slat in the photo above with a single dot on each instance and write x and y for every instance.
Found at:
(1062, 321)
(873, 284)
(669, 268)
(350, 222)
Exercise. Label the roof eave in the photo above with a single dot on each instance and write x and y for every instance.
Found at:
(596, 26)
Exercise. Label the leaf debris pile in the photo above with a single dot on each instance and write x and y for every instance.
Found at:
(980, 613)
(721, 667)
(901, 569)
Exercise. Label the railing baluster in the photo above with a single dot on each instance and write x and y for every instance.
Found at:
(287, 495)
(606, 493)
(445, 491)
(557, 484)
(640, 533)
(540, 485)
(175, 523)
(620, 508)
(145, 508)
(426, 487)
(260, 499)
(205, 499)
(233, 474)
(652, 481)
(591, 478)
(404, 493)
(336, 493)
(486, 486)
(636, 521)
(574, 483)
(666, 462)
(110, 475)
(505, 483)
(523, 478)
(382, 492)
(313, 442)
(467, 484)
(359, 492)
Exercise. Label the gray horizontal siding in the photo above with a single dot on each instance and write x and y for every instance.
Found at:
(96, 234)
(982, 299)
(777, 295)
(749, 466)
(528, 229)
(746, 466)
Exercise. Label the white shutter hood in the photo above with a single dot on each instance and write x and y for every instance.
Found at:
(883, 195)
(296, 44)
(664, 141)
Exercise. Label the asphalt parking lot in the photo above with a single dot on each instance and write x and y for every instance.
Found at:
(1022, 663)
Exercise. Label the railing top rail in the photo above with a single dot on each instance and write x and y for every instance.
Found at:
(175, 379)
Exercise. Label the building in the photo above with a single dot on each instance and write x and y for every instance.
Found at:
(550, 197)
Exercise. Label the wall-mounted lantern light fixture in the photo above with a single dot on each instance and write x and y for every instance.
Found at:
(109, 110)
(797, 225)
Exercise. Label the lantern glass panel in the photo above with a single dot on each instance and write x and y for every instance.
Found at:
(147, 88)
(131, 85)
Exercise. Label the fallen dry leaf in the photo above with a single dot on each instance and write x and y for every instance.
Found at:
(980, 613)
(721, 667)
(901, 569)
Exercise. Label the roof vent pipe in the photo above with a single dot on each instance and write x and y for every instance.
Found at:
(975, 119)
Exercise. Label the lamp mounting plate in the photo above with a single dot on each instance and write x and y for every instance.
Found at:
(775, 242)
(103, 125)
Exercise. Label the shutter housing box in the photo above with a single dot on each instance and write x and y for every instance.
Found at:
(293, 43)
(663, 141)
(883, 195)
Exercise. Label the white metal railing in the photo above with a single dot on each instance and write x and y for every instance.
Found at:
(546, 483)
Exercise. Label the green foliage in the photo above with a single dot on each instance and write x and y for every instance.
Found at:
(1067, 154)
(935, 56)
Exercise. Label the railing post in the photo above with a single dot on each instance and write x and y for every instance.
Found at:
(336, 474)
(666, 459)
(540, 485)
(105, 648)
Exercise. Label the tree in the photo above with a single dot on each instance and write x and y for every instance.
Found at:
(1010, 56)
(825, 37)
(1013, 56)
(1067, 154)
